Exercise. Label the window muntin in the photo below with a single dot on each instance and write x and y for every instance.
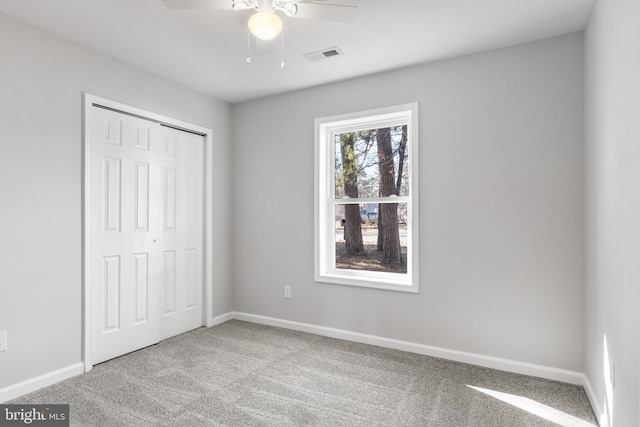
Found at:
(364, 181)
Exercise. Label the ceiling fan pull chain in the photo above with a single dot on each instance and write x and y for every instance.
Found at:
(248, 60)
(282, 39)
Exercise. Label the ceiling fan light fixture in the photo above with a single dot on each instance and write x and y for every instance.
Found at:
(265, 25)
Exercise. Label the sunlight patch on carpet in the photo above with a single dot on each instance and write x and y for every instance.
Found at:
(536, 408)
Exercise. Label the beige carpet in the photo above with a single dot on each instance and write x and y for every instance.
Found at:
(244, 374)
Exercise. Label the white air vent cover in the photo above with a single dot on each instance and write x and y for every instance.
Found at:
(323, 54)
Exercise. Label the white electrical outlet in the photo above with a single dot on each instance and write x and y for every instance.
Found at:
(287, 291)
(3, 340)
(612, 373)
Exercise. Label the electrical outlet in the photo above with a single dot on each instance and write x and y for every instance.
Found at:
(3, 340)
(287, 292)
(612, 373)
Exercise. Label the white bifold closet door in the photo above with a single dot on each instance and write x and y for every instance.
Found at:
(146, 232)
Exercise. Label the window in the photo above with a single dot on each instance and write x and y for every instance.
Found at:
(367, 199)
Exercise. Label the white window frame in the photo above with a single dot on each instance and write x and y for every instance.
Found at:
(325, 130)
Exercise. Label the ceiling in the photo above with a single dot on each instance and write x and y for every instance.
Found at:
(206, 49)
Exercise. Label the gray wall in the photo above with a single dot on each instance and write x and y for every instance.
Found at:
(501, 206)
(612, 83)
(42, 78)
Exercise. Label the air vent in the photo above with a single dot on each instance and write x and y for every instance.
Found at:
(323, 54)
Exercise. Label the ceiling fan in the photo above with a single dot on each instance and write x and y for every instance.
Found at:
(265, 23)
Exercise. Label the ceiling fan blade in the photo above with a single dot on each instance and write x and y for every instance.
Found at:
(327, 12)
(199, 4)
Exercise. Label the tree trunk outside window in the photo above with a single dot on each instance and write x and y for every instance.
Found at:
(388, 212)
(352, 231)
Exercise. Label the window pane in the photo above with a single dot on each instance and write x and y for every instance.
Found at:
(371, 236)
(372, 163)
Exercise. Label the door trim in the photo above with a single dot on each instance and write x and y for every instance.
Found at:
(89, 101)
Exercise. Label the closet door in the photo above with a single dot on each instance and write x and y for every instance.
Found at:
(146, 233)
(182, 232)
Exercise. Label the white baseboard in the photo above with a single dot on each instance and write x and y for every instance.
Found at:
(16, 390)
(213, 321)
(517, 367)
(601, 416)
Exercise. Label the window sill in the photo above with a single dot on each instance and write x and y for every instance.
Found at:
(387, 281)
